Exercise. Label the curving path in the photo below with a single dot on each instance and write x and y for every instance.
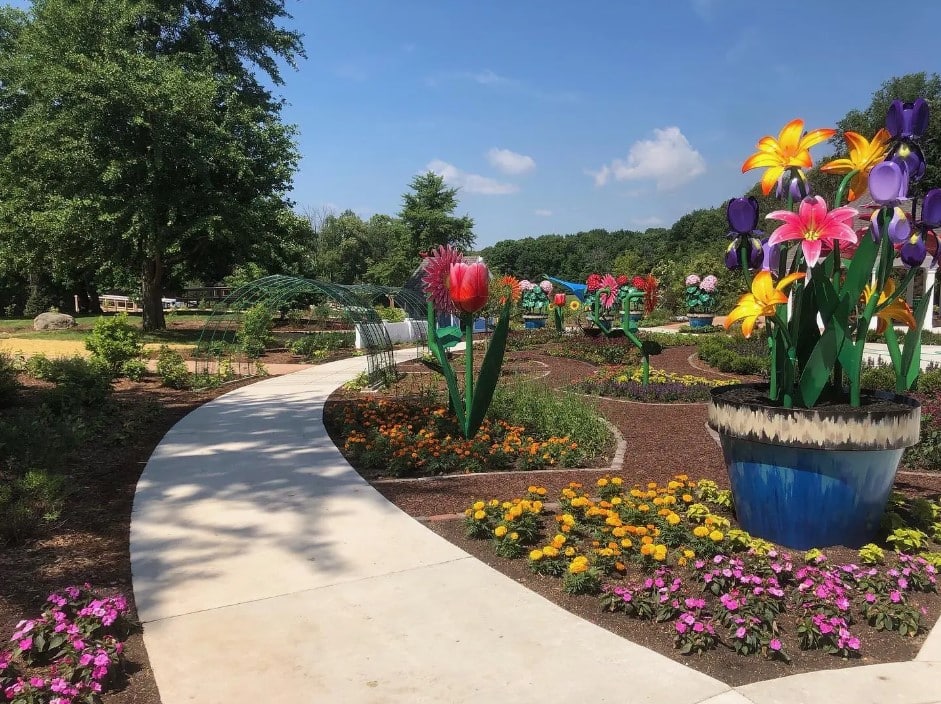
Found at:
(266, 570)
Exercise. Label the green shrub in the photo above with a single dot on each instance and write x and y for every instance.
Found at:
(27, 502)
(80, 381)
(172, 370)
(735, 354)
(658, 316)
(880, 377)
(316, 344)
(547, 413)
(134, 369)
(8, 382)
(254, 333)
(114, 341)
(929, 381)
(391, 315)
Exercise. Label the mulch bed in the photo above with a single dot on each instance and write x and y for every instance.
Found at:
(90, 543)
(662, 441)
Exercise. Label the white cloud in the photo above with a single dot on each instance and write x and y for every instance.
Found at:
(650, 221)
(470, 183)
(542, 212)
(509, 162)
(668, 159)
(488, 78)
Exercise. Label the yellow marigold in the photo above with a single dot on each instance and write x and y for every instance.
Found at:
(646, 549)
(468, 512)
(602, 482)
(479, 515)
(536, 506)
(673, 519)
(716, 536)
(531, 488)
(479, 505)
(626, 543)
(619, 532)
(614, 521)
(541, 491)
(569, 552)
(578, 565)
(681, 562)
(643, 507)
(514, 536)
(647, 540)
(620, 566)
(499, 531)
(568, 519)
(616, 501)
(636, 493)
(550, 551)
(682, 477)
(688, 498)
(617, 481)
(558, 540)
(606, 552)
(700, 531)
(565, 528)
(494, 502)
(506, 505)
(673, 484)
(651, 485)
(689, 554)
(568, 493)
(535, 555)
(660, 553)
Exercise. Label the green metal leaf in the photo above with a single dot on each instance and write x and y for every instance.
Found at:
(859, 270)
(437, 349)
(911, 351)
(489, 373)
(816, 373)
(449, 336)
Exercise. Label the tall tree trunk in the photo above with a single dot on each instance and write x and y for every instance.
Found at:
(152, 293)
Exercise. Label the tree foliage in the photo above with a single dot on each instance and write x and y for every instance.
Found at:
(138, 135)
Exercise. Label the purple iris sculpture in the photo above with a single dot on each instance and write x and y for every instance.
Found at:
(888, 186)
(793, 182)
(742, 214)
(915, 248)
(771, 256)
(906, 123)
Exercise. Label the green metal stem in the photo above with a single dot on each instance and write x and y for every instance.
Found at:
(468, 321)
(842, 188)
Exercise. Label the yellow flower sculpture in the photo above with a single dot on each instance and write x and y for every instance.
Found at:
(791, 148)
(863, 156)
(762, 300)
(897, 310)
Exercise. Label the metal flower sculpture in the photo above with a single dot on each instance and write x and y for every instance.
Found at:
(843, 293)
(454, 286)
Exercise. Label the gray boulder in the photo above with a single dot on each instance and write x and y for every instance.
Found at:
(53, 321)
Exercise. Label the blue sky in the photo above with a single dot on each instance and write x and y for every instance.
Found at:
(554, 116)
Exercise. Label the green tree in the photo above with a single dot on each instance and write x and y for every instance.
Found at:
(428, 215)
(870, 119)
(391, 259)
(139, 135)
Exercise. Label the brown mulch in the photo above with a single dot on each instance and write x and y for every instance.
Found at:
(90, 543)
(662, 441)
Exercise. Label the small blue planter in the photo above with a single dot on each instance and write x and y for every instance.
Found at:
(811, 478)
(533, 322)
(636, 315)
(699, 320)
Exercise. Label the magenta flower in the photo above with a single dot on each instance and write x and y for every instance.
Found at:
(608, 293)
(437, 271)
(774, 644)
(815, 226)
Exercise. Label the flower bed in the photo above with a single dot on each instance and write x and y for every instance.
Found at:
(664, 387)
(409, 438)
(671, 555)
(71, 653)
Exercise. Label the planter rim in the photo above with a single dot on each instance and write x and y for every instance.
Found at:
(854, 429)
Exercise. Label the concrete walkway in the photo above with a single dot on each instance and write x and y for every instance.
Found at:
(267, 571)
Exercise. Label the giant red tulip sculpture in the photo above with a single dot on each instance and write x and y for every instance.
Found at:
(453, 286)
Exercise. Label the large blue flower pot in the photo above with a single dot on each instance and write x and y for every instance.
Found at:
(700, 320)
(532, 322)
(806, 478)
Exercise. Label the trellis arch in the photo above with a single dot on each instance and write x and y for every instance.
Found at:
(284, 293)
